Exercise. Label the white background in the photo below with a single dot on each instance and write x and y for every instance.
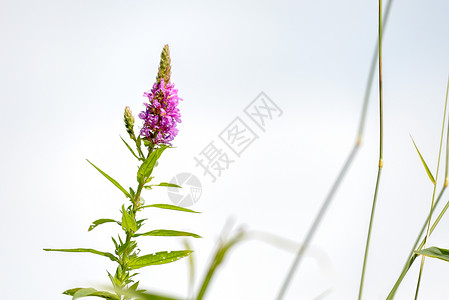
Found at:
(68, 69)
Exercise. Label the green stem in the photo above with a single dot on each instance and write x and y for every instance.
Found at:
(426, 222)
(368, 238)
(130, 234)
(311, 232)
(412, 255)
(433, 195)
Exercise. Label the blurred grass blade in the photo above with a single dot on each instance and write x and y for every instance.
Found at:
(165, 232)
(191, 267)
(435, 252)
(424, 163)
(93, 251)
(217, 260)
(102, 221)
(111, 180)
(172, 207)
(158, 258)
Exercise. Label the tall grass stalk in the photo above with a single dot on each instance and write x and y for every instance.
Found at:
(412, 256)
(359, 137)
(433, 199)
(379, 170)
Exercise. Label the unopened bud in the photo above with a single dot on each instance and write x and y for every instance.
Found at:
(165, 66)
(129, 122)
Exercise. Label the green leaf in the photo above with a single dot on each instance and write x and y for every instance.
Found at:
(147, 167)
(435, 252)
(148, 187)
(134, 286)
(128, 222)
(85, 292)
(169, 206)
(130, 149)
(164, 232)
(93, 251)
(424, 163)
(158, 258)
(111, 180)
(102, 221)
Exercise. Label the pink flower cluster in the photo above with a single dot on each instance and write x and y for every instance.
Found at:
(161, 114)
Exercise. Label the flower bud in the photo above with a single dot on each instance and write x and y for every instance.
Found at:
(165, 66)
(129, 122)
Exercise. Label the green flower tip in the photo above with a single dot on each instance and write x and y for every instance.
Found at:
(165, 66)
(129, 122)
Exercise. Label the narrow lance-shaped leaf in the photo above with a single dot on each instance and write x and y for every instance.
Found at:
(130, 149)
(435, 252)
(88, 292)
(147, 167)
(102, 221)
(148, 187)
(93, 251)
(158, 258)
(111, 180)
(165, 232)
(128, 222)
(169, 206)
(424, 163)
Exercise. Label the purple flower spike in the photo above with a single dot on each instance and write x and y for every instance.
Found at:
(162, 114)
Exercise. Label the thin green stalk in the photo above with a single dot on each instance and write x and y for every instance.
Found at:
(433, 196)
(411, 257)
(343, 171)
(368, 238)
(130, 234)
(427, 221)
(379, 171)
